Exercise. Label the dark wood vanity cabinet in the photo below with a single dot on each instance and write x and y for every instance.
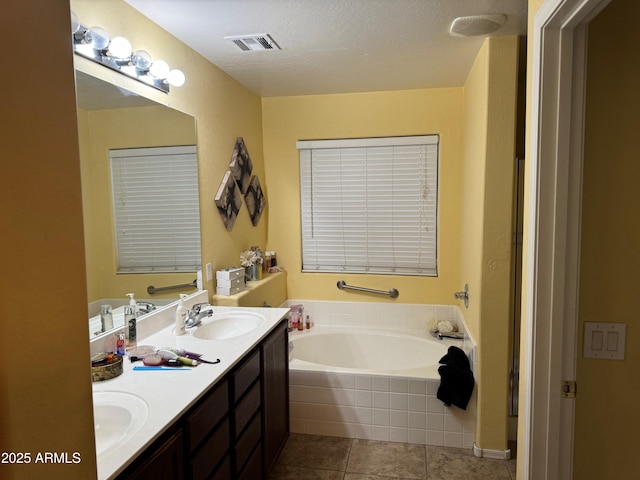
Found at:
(163, 460)
(206, 433)
(275, 394)
(236, 430)
(246, 403)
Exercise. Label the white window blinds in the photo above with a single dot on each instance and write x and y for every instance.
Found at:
(370, 205)
(157, 217)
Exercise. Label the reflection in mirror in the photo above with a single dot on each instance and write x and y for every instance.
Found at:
(111, 118)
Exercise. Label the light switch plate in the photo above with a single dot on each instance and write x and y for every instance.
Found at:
(604, 340)
(209, 272)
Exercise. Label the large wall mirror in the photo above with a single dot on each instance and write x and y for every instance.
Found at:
(113, 119)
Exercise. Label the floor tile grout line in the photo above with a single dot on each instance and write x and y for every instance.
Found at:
(346, 465)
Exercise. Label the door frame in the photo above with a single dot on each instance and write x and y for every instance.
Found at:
(552, 230)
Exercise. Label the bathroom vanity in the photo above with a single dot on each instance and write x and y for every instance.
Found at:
(236, 421)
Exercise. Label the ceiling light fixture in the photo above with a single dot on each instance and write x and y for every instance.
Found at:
(94, 43)
(476, 25)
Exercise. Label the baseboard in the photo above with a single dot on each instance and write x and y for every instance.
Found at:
(487, 453)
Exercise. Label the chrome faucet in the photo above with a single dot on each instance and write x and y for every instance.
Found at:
(197, 313)
(145, 307)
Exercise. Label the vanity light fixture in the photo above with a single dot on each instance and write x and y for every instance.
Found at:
(116, 53)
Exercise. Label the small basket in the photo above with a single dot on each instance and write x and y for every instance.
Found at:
(106, 369)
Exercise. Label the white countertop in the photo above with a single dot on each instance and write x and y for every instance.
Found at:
(169, 394)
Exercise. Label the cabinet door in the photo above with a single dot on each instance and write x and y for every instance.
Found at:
(164, 463)
(275, 394)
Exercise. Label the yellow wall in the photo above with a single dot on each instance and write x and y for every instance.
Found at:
(486, 226)
(224, 110)
(45, 385)
(473, 184)
(607, 405)
(100, 131)
(375, 114)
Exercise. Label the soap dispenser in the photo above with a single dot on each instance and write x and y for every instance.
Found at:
(181, 316)
(132, 302)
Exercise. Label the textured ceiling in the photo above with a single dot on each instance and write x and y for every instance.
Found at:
(335, 46)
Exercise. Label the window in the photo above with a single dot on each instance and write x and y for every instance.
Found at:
(370, 205)
(156, 209)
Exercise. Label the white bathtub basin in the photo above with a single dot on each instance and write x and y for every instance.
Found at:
(116, 417)
(363, 350)
(226, 325)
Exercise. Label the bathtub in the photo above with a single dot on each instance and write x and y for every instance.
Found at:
(372, 383)
(379, 352)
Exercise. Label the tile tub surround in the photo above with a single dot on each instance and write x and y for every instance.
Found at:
(377, 407)
(366, 405)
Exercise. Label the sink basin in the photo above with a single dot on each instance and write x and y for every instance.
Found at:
(116, 417)
(228, 325)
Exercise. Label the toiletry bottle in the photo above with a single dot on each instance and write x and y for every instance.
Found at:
(132, 302)
(106, 317)
(300, 320)
(267, 262)
(307, 323)
(181, 316)
(130, 330)
(120, 343)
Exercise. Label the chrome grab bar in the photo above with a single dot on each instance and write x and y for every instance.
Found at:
(151, 289)
(393, 293)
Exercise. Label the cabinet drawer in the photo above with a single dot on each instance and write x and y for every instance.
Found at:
(248, 440)
(164, 460)
(202, 420)
(245, 374)
(253, 469)
(246, 408)
(211, 452)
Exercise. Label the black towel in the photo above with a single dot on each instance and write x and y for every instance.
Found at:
(456, 379)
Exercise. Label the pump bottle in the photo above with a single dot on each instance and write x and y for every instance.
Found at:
(133, 303)
(181, 316)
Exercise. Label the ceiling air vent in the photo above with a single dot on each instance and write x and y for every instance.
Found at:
(255, 42)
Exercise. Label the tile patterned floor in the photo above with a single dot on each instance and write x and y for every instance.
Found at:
(313, 457)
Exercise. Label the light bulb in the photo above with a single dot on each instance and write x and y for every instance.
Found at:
(120, 48)
(75, 22)
(176, 78)
(141, 59)
(159, 69)
(97, 37)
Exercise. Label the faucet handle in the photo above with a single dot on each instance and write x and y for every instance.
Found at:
(195, 308)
